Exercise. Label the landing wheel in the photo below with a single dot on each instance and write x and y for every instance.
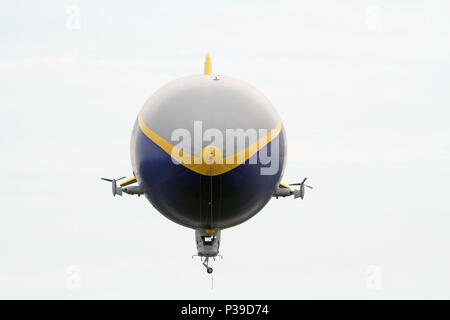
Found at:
(209, 270)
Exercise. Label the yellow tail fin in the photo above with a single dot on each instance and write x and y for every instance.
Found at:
(208, 64)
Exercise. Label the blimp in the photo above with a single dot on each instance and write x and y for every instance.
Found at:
(208, 152)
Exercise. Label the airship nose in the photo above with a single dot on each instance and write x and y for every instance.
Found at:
(183, 156)
(212, 160)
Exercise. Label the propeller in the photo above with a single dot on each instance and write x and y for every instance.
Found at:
(115, 190)
(301, 192)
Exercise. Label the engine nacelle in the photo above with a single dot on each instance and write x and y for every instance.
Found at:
(133, 190)
(283, 192)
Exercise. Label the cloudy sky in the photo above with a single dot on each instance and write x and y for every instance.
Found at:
(361, 86)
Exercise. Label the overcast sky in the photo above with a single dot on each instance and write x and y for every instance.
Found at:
(361, 86)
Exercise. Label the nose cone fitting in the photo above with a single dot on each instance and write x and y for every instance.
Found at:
(212, 155)
(213, 159)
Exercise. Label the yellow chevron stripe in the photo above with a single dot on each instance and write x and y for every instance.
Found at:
(198, 164)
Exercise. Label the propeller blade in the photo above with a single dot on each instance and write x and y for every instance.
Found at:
(302, 190)
(111, 180)
(299, 183)
(114, 188)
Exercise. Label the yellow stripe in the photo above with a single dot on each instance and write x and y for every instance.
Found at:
(208, 64)
(284, 185)
(128, 181)
(197, 164)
